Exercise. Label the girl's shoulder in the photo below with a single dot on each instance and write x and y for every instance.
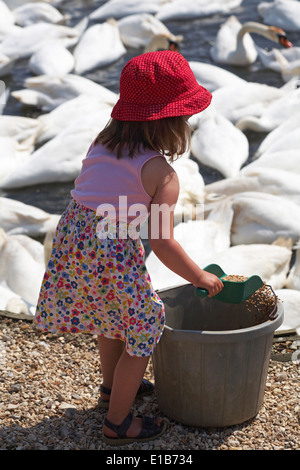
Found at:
(158, 163)
(157, 172)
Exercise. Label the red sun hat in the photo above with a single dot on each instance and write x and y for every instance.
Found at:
(158, 85)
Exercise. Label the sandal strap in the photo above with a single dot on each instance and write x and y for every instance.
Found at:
(145, 387)
(149, 427)
(105, 390)
(120, 429)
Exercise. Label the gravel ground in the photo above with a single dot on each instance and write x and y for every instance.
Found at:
(49, 389)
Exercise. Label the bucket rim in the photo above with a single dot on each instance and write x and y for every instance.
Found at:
(264, 328)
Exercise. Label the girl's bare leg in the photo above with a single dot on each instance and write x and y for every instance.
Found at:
(123, 374)
(129, 372)
(110, 351)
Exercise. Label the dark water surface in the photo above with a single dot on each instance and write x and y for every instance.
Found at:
(199, 35)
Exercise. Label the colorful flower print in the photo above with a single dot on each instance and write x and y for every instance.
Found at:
(100, 287)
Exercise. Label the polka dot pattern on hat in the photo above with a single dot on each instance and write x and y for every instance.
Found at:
(157, 85)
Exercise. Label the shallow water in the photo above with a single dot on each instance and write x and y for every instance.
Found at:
(198, 35)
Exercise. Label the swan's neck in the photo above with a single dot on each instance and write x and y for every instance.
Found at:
(252, 27)
(253, 123)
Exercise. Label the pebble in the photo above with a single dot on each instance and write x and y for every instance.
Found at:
(280, 376)
(65, 406)
(49, 393)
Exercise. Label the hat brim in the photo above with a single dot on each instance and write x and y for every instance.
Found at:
(187, 106)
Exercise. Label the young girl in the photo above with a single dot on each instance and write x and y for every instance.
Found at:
(96, 280)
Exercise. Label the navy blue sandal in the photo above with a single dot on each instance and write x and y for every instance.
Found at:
(150, 430)
(145, 388)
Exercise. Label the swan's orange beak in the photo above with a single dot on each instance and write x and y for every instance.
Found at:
(284, 41)
(173, 46)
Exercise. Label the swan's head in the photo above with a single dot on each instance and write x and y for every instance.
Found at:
(161, 42)
(280, 36)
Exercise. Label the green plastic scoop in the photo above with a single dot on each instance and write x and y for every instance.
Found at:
(232, 292)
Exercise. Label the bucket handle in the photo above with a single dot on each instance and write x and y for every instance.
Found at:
(272, 315)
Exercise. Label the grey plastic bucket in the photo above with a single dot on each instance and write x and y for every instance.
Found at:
(211, 363)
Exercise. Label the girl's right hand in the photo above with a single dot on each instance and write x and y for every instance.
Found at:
(210, 282)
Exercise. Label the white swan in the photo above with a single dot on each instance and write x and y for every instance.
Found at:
(234, 45)
(161, 42)
(282, 13)
(283, 137)
(293, 279)
(290, 300)
(218, 144)
(13, 303)
(22, 265)
(225, 187)
(283, 111)
(190, 9)
(37, 12)
(23, 130)
(247, 99)
(57, 161)
(48, 92)
(138, 30)
(269, 261)
(19, 218)
(6, 16)
(120, 8)
(7, 22)
(213, 77)
(286, 61)
(26, 41)
(191, 195)
(8, 29)
(286, 159)
(269, 180)
(60, 159)
(200, 239)
(53, 122)
(288, 69)
(100, 45)
(281, 142)
(6, 64)
(12, 155)
(52, 59)
(262, 218)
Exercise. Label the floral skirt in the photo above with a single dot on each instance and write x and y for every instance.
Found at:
(99, 286)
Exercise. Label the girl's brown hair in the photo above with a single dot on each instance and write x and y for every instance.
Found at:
(170, 136)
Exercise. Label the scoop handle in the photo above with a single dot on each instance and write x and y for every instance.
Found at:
(201, 292)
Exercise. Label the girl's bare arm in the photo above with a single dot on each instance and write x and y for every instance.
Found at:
(161, 235)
